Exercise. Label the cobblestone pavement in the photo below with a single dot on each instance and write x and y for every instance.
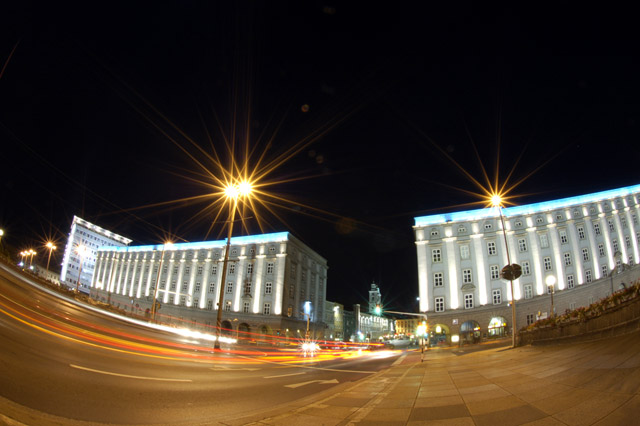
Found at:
(594, 383)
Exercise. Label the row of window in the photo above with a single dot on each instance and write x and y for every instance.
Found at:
(436, 253)
(462, 229)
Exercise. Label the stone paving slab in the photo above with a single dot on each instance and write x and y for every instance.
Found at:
(592, 383)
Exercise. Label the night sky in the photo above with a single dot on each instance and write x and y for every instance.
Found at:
(104, 106)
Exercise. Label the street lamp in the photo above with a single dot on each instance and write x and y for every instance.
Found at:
(81, 250)
(51, 247)
(24, 254)
(31, 252)
(155, 290)
(232, 192)
(551, 282)
(510, 272)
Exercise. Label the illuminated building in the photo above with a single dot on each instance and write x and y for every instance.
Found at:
(334, 321)
(91, 237)
(273, 282)
(577, 240)
(375, 299)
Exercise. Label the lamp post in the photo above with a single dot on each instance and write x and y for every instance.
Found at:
(551, 282)
(51, 247)
(81, 250)
(31, 253)
(510, 272)
(232, 192)
(23, 254)
(155, 290)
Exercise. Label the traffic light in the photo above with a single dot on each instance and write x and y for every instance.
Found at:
(378, 310)
(422, 329)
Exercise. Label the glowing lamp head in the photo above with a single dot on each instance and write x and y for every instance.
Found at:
(81, 250)
(231, 191)
(50, 246)
(496, 200)
(1, 232)
(245, 188)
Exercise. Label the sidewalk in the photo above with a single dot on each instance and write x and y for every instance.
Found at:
(595, 383)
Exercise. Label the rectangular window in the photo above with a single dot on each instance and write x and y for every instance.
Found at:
(528, 291)
(547, 263)
(585, 254)
(229, 287)
(214, 270)
(605, 270)
(209, 304)
(293, 269)
(468, 301)
(596, 228)
(232, 269)
(572, 306)
(615, 245)
(612, 228)
(173, 286)
(268, 287)
(199, 270)
(175, 269)
(588, 275)
(439, 302)
(567, 259)
(196, 302)
(497, 296)
(581, 234)
(436, 255)
(245, 307)
(266, 310)
(495, 272)
(531, 318)
(464, 251)
(526, 268)
(438, 279)
(269, 267)
(623, 221)
(227, 306)
(466, 276)
(197, 288)
(184, 286)
(627, 241)
(544, 241)
(570, 281)
(522, 244)
(187, 269)
(183, 300)
(247, 287)
(212, 287)
(292, 291)
(491, 248)
(250, 268)
(601, 250)
(563, 237)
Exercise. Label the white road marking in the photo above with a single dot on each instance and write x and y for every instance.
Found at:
(321, 382)
(284, 375)
(399, 360)
(127, 375)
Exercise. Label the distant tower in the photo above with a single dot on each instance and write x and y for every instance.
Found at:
(375, 298)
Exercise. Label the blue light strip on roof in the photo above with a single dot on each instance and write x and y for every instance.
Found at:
(248, 239)
(545, 206)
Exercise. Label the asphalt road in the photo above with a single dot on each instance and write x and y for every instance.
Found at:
(69, 360)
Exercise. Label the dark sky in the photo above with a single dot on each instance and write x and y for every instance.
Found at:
(103, 103)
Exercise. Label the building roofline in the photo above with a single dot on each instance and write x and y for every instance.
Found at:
(247, 239)
(82, 222)
(545, 206)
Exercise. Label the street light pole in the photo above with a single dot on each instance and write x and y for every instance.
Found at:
(80, 250)
(51, 247)
(497, 202)
(31, 253)
(155, 289)
(551, 282)
(232, 213)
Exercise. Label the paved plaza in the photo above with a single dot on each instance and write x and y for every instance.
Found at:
(594, 383)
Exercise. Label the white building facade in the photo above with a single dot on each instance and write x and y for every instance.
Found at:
(91, 237)
(577, 241)
(273, 281)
